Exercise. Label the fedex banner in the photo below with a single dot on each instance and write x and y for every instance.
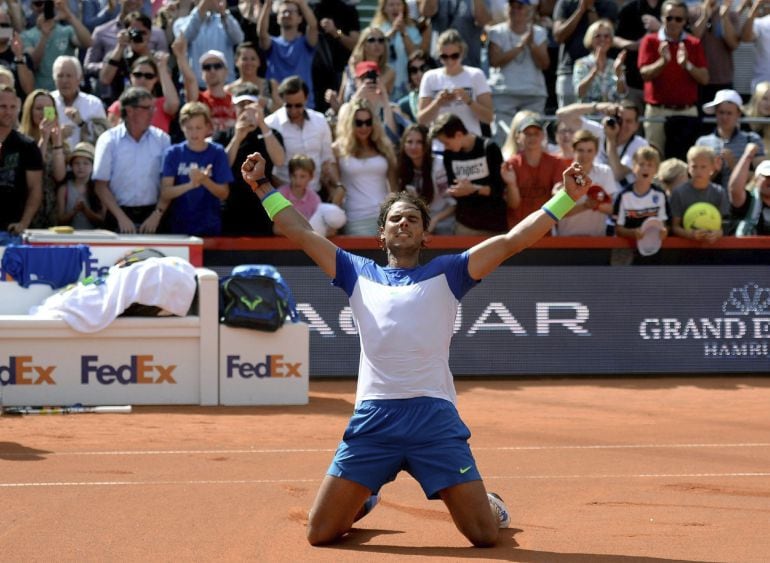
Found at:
(576, 320)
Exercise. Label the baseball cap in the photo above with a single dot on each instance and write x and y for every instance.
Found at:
(213, 54)
(650, 242)
(82, 149)
(530, 122)
(764, 168)
(366, 66)
(721, 97)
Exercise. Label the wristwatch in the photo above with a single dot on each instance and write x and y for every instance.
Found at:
(262, 181)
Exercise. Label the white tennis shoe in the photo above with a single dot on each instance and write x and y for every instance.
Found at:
(499, 508)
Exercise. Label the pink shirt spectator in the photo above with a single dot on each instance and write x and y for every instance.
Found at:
(307, 204)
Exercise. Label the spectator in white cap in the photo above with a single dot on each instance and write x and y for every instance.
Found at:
(728, 140)
(213, 65)
(751, 202)
(210, 26)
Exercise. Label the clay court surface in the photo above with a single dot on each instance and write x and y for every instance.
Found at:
(593, 470)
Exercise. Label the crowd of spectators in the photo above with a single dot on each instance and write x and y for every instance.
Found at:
(136, 115)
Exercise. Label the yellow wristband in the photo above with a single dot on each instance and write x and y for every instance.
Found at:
(274, 202)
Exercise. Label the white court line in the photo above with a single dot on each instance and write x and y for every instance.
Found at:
(278, 481)
(327, 450)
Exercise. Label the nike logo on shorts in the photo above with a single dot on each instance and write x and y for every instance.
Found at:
(464, 470)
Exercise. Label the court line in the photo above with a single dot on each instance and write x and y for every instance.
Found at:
(327, 450)
(279, 481)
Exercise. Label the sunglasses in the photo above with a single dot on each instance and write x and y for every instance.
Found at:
(364, 122)
(416, 69)
(375, 40)
(145, 75)
(677, 19)
(212, 66)
(4, 25)
(446, 57)
(294, 106)
(38, 2)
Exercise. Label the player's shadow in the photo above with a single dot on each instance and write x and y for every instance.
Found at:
(507, 549)
(13, 451)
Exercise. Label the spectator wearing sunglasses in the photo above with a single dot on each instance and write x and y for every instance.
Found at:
(366, 165)
(372, 46)
(467, 17)
(210, 26)
(455, 88)
(304, 131)
(672, 64)
(416, 68)
(213, 64)
(518, 55)
(392, 17)
(153, 74)
(133, 42)
(290, 53)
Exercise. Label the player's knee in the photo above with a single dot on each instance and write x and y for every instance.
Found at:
(484, 537)
(319, 534)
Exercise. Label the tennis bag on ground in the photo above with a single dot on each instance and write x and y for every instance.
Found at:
(256, 296)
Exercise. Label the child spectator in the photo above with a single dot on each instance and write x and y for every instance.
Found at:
(195, 176)
(671, 173)
(77, 202)
(702, 164)
(642, 199)
(590, 217)
(325, 218)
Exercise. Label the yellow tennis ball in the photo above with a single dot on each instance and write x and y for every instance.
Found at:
(702, 216)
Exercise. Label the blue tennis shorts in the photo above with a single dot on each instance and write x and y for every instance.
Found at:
(423, 436)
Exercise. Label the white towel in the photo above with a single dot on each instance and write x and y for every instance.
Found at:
(167, 282)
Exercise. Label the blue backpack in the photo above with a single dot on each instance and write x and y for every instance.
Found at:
(256, 296)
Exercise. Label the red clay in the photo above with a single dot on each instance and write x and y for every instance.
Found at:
(599, 470)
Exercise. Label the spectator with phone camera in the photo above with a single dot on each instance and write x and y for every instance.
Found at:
(243, 214)
(13, 57)
(455, 88)
(57, 32)
(39, 121)
(368, 88)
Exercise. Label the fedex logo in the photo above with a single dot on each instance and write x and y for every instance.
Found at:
(273, 366)
(139, 371)
(93, 269)
(21, 371)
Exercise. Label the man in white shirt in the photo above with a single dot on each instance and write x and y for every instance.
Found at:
(78, 112)
(127, 166)
(304, 131)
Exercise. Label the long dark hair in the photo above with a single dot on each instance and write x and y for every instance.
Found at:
(406, 169)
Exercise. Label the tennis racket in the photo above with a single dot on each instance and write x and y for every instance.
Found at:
(74, 409)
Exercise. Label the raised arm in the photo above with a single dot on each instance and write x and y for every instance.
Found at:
(288, 220)
(486, 256)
